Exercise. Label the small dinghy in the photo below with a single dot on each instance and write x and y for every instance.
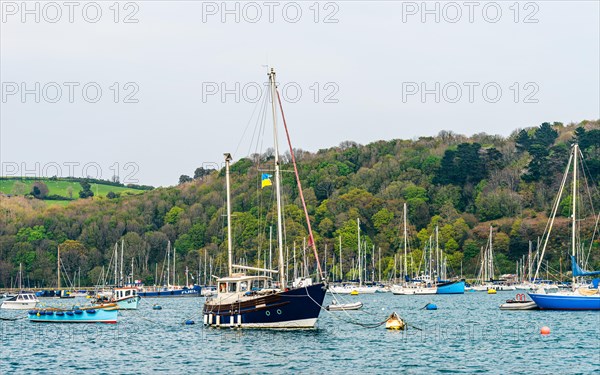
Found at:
(395, 322)
(520, 302)
(344, 306)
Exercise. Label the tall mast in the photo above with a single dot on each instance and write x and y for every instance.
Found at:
(58, 269)
(325, 260)
(437, 253)
(174, 272)
(379, 265)
(270, 247)
(229, 239)
(359, 262)
(405, 242)
(116, 263)
(574, 219)
(341, 262)
(529, 263)
(122, 246)
(168, 263)
(282, 279)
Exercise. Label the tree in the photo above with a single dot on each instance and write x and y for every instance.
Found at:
(111, 195)
(19, 188)
(173, 215)
(184, 178)
(70, 191)
(200, 172)
(86, 190)
(39, 190)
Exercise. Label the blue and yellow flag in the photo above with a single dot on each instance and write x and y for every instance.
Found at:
(266, 180)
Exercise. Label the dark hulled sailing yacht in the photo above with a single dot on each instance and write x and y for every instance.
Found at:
(255, 301)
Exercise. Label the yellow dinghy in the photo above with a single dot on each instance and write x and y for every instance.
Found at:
(395, 322)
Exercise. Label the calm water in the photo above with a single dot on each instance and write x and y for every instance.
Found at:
(467, 334)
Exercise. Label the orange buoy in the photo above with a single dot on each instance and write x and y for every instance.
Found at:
(545, 330)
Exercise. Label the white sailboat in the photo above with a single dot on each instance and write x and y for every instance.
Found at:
(23, 300)
(422, 285)
(485, 281)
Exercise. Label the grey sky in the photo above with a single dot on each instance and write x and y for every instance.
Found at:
(365, 61)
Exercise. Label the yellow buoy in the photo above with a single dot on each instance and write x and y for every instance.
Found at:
(491, 291)
(354, 293)
(395, 322)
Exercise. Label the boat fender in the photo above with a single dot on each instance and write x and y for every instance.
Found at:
(189, 322)
(78, 312)
(60, 313)
(431, 306)
(32, 312)
(70, 313)
(49, 312)
(92, 311)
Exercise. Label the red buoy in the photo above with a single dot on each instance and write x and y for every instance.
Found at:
(545, 330)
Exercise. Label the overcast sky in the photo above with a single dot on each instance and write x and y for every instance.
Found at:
(348, 70)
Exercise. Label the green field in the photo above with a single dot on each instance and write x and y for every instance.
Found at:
(59, 187)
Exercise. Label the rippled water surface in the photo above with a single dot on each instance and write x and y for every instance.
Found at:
(468, 334)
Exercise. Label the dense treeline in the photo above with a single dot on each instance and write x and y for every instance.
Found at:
(460, 184)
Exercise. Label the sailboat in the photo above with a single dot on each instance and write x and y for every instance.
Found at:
(170, 289)
(581, 297)
(418, 286)
(23, 300)
(487, 270)
(254, 301)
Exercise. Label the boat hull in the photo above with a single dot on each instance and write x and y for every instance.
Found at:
(86, 316)
(18, 305)
(130, 303)
(345, 306)
(565, 302)
(295, 308)
(194, 292)
(456, 287)
(414, 291)
(518, 305)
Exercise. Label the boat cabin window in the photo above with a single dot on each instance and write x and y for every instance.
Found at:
(232, 287)
(243, 286)
(127, 293)
(258, 284)
(222, 287)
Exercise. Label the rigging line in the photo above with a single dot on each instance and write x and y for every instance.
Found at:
(292, 154)
(553, 215)
(259, 131)
(246, 128)
(350, 319)
(588, 190)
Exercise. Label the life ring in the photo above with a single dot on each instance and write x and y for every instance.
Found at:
(521, 297)
(300, 284)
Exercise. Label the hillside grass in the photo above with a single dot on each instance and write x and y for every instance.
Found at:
(59, 187)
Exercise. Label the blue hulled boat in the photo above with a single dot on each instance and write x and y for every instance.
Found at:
(582, 298)
(83, 315)
(567, 301)
(451, 287)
